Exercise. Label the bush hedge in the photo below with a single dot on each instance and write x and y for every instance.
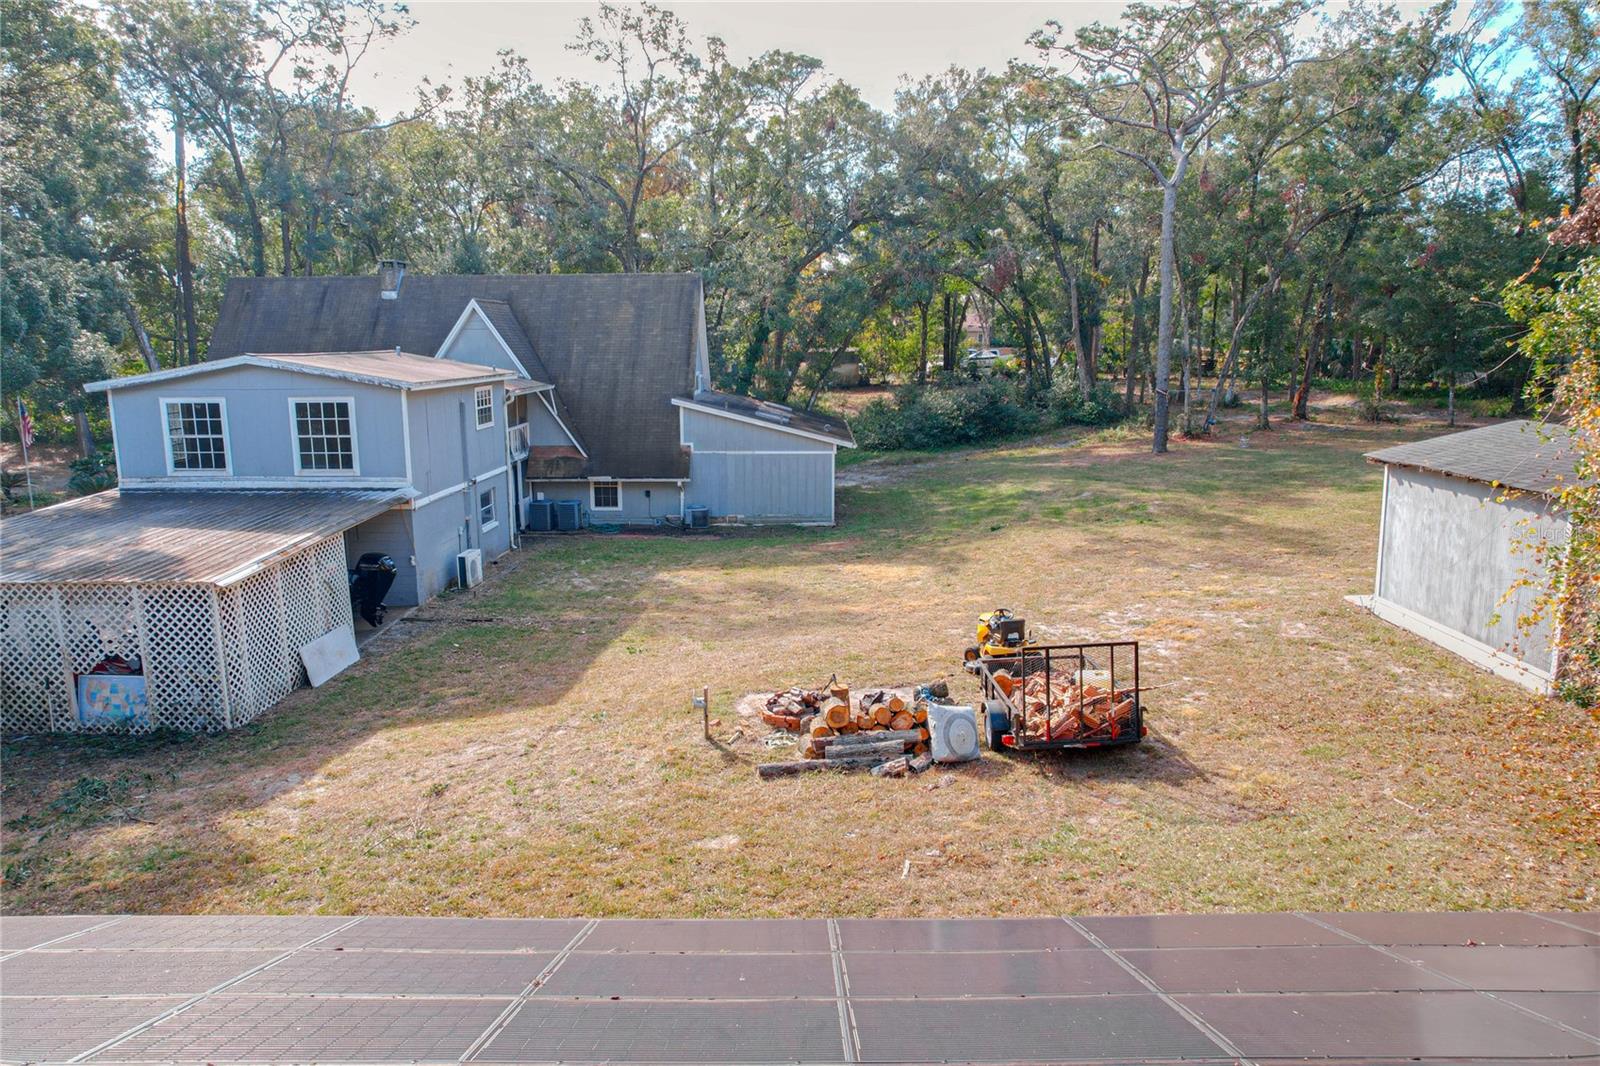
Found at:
(923, 418)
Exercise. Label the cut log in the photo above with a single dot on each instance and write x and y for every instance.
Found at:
(921, 762)
(882, 715)
(840, 692)
(920, 749)
(1005, 682)
(893, 768)
(884, 748)
(768, 770)
(902, 720)
(920, 714)
(836, 713)
(896, 703)
(820, 726)
(850, 741)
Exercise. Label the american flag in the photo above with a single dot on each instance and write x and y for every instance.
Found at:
(24, 425)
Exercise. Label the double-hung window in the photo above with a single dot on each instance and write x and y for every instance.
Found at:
(324, 435)
(483, 401)
(197, 436)
(486, 518)
(605, 496)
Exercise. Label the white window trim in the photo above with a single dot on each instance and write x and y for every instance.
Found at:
(294, 438)
(485, 527)
(605, 481)
(166, 434)
(476, 408)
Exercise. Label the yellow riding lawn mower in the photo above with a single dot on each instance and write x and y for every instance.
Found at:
(1001, 634)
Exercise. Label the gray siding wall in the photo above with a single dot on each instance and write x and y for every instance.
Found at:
(389, 533)
(258, 425)
(476, 344)
(1449, 553)
(756, 473)
(542, 425)
(662, 501)
(440, 418)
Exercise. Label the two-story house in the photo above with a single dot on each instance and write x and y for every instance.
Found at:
(419, 417)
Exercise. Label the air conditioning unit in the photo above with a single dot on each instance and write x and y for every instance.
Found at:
(954, 733)
(469, 568)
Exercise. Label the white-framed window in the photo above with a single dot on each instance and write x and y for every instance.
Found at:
(324, 429)
(605, 496)
(197, 435)
(486, 518)
(483, 401)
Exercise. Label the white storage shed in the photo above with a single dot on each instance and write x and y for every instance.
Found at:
(1461, 516)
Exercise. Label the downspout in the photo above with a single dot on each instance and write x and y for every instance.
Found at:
(466, 476)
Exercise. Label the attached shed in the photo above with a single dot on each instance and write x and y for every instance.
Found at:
(133, 610)
(1461, 515)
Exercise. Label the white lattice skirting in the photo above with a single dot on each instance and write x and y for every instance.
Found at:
(214, 657)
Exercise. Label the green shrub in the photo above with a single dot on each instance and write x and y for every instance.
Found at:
(1069, 407)
(93, 473)
(928, 418)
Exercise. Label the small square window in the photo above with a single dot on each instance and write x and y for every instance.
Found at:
(486, 518)
(483, 399)
(605, 496)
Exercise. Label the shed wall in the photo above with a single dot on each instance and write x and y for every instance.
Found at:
(1450, 552)
(756, 473)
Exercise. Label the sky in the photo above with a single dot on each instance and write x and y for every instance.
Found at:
(869, 45)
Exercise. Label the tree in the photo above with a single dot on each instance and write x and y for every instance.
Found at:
(1564, 37)
(1157, 85)
(75, 176)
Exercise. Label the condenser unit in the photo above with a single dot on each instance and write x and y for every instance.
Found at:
(469, 568)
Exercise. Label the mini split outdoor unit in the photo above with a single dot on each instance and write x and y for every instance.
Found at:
(469, 568)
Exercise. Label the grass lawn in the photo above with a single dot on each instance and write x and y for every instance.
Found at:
(529, 748)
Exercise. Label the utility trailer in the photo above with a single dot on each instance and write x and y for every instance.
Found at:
(1054, 696)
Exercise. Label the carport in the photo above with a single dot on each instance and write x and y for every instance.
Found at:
(129, 611)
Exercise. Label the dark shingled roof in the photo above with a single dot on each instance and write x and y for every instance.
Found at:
(778, 415)
(1518, 455)
(618, 347)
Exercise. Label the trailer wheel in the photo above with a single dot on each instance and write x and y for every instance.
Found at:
(996, 724)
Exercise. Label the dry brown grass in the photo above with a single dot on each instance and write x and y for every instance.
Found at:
(1303, 754)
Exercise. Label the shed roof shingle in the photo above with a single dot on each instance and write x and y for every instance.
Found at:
(199, 536)
(617, 347)
(778, 415)
(1519, 455)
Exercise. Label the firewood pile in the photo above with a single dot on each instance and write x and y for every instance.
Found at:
(884, 731)
(1085, 707)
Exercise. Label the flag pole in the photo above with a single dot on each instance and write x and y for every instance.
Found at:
(22, 435)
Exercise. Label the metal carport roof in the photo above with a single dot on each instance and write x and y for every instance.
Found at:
(172, 536)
